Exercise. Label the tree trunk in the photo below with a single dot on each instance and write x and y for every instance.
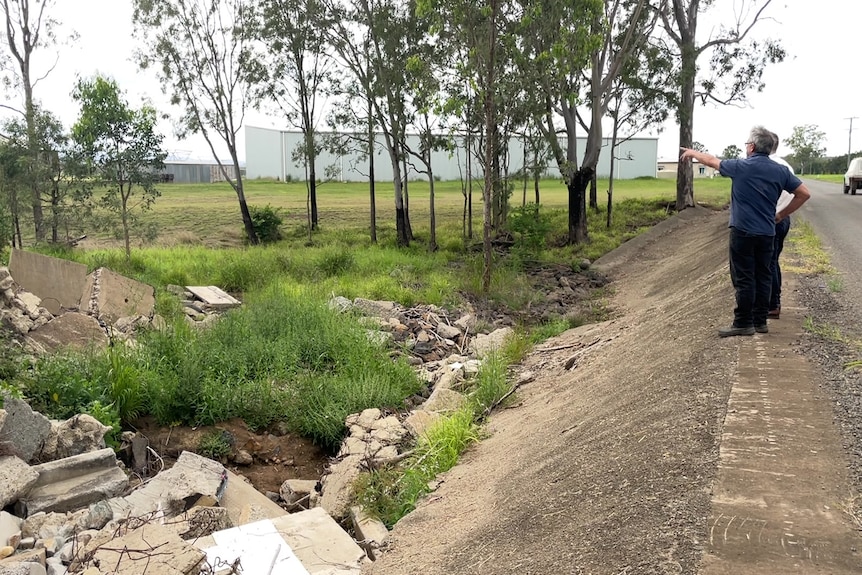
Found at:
(577, 187)
(312, 190)
(432, 240)
(536, 174)
(536, 186)
(469, 187)
(402, 237)
(526, 175)
(371, 188)
(685, 115)
(613, 163)
(406, 193)
(55, 212)
(594, 192)
(490, 148)
(33, 148)
(243, 208)
(124, 198)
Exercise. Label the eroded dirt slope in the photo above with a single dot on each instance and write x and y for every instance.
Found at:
(607, 467)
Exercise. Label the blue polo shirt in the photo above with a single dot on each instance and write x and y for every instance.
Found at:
(756, 187)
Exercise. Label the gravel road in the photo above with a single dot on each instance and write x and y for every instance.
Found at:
(835, 304)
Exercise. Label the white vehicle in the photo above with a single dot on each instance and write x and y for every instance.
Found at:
(853, 177)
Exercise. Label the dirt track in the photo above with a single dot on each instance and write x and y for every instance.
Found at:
(611, 467)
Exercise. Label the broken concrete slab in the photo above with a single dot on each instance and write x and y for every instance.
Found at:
(419, 421)
(75, 330)
(74, 482)
(444, 401)
(253, 548)
(79, 434)
(319, 542)
(245, 504)
(214, 297)
(10, 527)
(371, 534)
(338, 485)
(484, 344)
(36, 556)
(16, 478)
(299, 493)
(151, 548)
(23, 569)
(24, 428)
(59, 283)
(109, 296)
(174, 490)
(314, 538)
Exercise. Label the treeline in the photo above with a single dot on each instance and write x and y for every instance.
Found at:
(484, 70)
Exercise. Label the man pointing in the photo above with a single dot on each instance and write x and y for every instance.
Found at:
(757, 185)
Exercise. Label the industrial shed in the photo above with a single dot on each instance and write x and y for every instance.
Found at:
(193, 171)
(269, 153)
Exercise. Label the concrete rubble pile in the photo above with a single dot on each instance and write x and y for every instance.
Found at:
(49, 303)
(70, 507)
(79, 514)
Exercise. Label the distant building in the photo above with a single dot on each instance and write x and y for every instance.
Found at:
(669, 168)
(195, 171)
(271, 154)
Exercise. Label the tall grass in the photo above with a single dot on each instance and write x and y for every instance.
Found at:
(284, 356)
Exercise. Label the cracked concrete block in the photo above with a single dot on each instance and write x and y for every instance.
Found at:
(75, 482)
(57, 282)
(24, 428)
(110, 296)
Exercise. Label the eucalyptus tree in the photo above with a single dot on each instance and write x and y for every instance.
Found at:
(480, 27)
(639, 99)
(736, 66)
(424, 73)
(62, 190)
(575, 51)
(554, 44)
(123, 149)
(203, 51)
(353, 120)
(806, 141)
(13, 161)
(375, 39)
(731, 152)
(29, 26)
(299, 65)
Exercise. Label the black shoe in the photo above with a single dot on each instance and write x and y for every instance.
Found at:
(732, 331)
(774, 313)
(761, 328)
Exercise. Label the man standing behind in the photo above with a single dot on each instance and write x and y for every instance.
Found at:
(756, 187)
(781, 230)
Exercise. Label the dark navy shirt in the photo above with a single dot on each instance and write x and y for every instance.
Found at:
(756, 187)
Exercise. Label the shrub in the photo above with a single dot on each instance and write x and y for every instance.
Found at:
(532, 226)
(215, 444)
(266, 222)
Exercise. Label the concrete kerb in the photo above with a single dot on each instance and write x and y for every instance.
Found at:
(782, 473)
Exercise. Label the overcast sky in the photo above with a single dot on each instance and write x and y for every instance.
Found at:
(815, 85)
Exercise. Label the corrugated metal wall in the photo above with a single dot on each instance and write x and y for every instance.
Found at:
(269, 154)
(186, 173)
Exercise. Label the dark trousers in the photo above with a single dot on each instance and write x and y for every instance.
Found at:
(781, 230)
(750, 261)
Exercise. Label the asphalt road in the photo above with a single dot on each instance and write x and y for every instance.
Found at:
(837, 220)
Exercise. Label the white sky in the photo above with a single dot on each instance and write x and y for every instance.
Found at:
(815, 85)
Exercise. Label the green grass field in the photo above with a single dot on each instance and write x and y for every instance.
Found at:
(833, 178)
(209, 213)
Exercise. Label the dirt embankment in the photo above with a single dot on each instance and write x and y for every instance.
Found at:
(605, 467)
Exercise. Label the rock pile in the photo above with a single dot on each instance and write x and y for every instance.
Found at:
(424, 332)
(20, 311)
